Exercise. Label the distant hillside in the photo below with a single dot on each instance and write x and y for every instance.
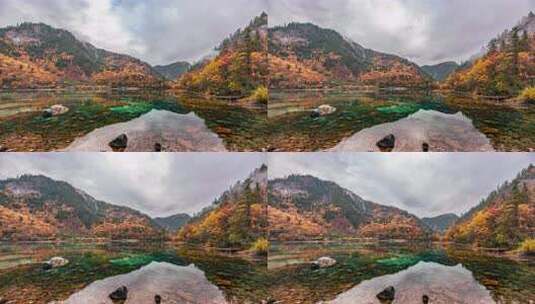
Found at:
(174, 222)
(174, 70)
(236, 219)
(303, 55)
(36, 55)
(240, 67)
(506, 68)
(504, 218)
(305, 207)
(441, 223)
(37, 207)
(441, 71)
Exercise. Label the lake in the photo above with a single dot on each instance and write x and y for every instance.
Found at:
(94, 119)
(361, 119)
(445, 274)
(176, 274)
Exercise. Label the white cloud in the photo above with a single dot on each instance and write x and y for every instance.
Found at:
(157, 184)
(157, 31)
(425, 31)
(426, 184)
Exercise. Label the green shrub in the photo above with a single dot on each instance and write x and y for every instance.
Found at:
(528, 95)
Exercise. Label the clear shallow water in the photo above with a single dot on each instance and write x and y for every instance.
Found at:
(23, 128)
(177, 274)
(445, 274)
(293, 129)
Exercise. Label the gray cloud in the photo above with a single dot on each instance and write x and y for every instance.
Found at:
(157, 31)
(425, 31)
(423, 184)
(156, 184)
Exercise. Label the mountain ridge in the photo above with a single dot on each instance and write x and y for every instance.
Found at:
(36, 55)
(306, 207)
(36, 207)
(304, 54)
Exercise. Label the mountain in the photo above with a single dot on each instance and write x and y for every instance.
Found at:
(172, 223)
(507, 67)
(37, 55)
(440, 71)
(304, 55)
(38, 207)
(442, 222)
(504, 218)
(305, 207)
(238, 70)
(174, 70)
(237, 219)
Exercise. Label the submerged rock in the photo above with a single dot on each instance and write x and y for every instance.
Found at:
(157, 299)
(425, 147)
(323, 262)
(387, 295)
(55, 262)
(120, 294)
(387, 144)
(425, 299)
(119, 143)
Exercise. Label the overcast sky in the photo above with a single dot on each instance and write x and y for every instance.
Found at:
(156, 31)
(425, 184)
(158, 184)
(164, 31)
(425, 31)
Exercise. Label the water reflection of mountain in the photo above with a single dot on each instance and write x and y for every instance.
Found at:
(442, 284)
(174, 132)
(175, 284)
(442, 132)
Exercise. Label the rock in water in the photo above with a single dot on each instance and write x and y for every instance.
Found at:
(46, 113)
(425, 147)
(55, 262)
(387, 144)
(119, 143)
(425, 299)
(323, 262)
(157, 299)
(387, 295)
(120, 294)
(326, 109)
(315, 114)
(157, 147)
(3, 149)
